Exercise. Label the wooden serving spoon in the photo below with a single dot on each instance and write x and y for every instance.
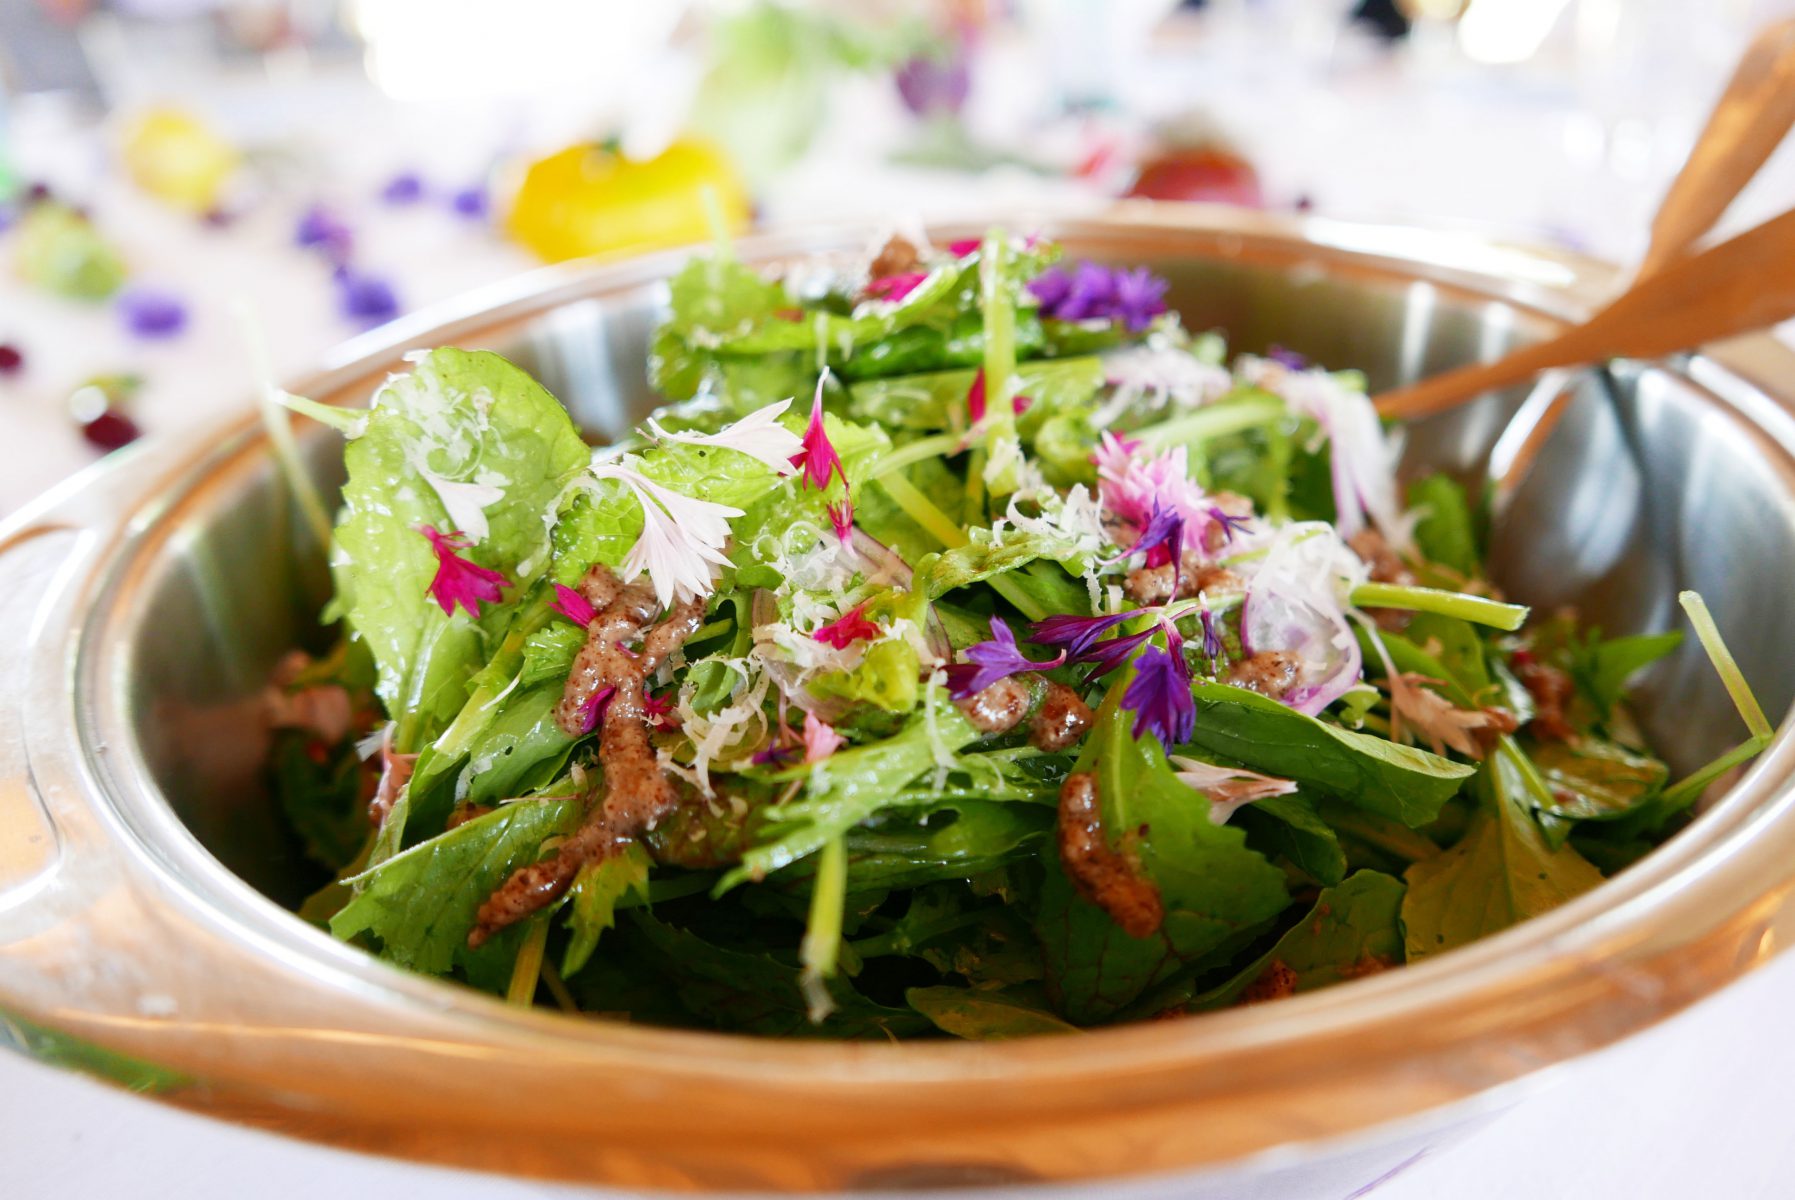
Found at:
(1752, 116)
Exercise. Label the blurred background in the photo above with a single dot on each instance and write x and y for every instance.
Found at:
(168, 166)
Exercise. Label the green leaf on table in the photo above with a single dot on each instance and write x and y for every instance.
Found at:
(984, 1016)
(1501, 872)
(420, 904)
(1213, 888)
(1396, 781)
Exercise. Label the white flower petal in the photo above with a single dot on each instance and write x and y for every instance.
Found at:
(758, 435)
(1228, 788)
(465, 503)
(681, 537)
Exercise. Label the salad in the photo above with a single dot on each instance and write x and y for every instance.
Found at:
(964, 648)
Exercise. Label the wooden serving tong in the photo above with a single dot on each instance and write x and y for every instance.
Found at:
(1678, 300)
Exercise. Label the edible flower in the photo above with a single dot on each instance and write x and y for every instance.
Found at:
(460, 581)
(573, 606)
(759, 435)
(961, 247)
(976, 403)
(321, 229)
(1159, 694)
(595, 708)
(894, 288)
(817, 457)
(852, 626)
(820, 739)
(407, 187)
(682, 538)
(1361, 460)
(364, 297)
(472, 202)
(659, 711)
(1135, 487)
(1075, 634)
(841, 517)
(987, 662)
(149, 313)
(1227, 788)
(1092, 291)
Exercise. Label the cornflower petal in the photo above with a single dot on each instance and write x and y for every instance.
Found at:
(572, 605)
(894, 288)
(460, 581)
(975, 397)
(820, 739)
(817, 457)
(1138, 297)
(993, 660)
(841, 516)
(759, 435)
(852, 626)
(1075, 634)
(1159, 694)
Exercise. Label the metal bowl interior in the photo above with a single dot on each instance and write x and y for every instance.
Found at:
(1671, 477)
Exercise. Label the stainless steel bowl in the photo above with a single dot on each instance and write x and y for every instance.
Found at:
(144, 876)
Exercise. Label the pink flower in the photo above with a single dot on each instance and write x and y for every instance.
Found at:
(460, 581)
(820, 739)
(659, 711)
(572, 605)
(975, 397)
(818, 459)
(841, 516)
(964, 246)
(1227, 788)
(893, 288)
(852, 626)
(1135, 485)
(595, 708)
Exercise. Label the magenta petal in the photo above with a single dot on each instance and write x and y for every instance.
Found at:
(852, 626)
(572, 605)
(818, 460)
(975, 397)
(461, 582)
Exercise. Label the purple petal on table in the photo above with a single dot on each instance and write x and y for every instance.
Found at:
(152, 313)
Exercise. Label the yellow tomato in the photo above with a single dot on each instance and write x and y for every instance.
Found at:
(589, 199)
(176, 157)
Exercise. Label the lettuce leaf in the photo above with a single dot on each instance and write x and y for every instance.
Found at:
(465, 417)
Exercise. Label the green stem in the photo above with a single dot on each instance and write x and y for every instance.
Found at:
(1479, 610)
(1215, 421)
(909, 455)
(821, 947)
(350, 422)
(921, 509)
(1726, 666)
(528, 969)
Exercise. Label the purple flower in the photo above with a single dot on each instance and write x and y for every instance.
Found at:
(1229, 523)
(407, 187)
(935, 84)
(1287, 358)
(471, 202)
(1139, 296)
(1107, 655)
(1092, 291)
(149, 313)
(1073, 634)
(988, 662)
(1162, 541)
(1159, 694)
(323, 230)
(1212, 641)
(365, 298)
